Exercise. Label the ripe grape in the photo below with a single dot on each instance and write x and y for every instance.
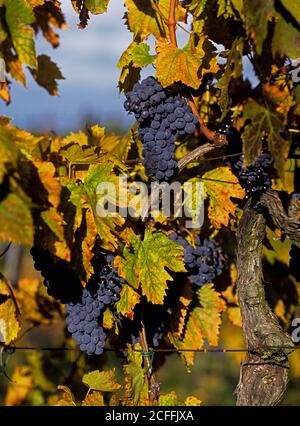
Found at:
(204, 261)
(161, 116)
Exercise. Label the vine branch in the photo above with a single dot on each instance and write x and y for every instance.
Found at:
(264, 375)
(288, 222)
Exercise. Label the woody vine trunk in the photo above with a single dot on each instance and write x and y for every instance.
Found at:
(264, 374)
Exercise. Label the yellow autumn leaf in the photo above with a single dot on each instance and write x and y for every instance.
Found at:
(20, 387)
(101, 381)
(203, 323)
(94, 399)
(128, 299)
(9, 313)
(220, 186)
(178, 65)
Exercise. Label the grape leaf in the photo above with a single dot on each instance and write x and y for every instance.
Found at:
(293, 7)
(93, 399)
(51, 215)
(16, 220)
(120, 147)
(136, 384)
(20, 387)
(85, 196)
(103, 381)
(174, 65)
(146, 264)
(30, 297)
(140, 55)
(196, 7)
(258, 13)
(169, 399)
(220, 186)
(79, 138)
(47, 74)
(263, 121)
(192, 401)
(233, 69)
(18, 15)
(68, 398)
(97, 6)
(128, 299)
(77, 154)
(142, 19)
(286, 39)
(203, 323)
(9, 313)
(8, 151)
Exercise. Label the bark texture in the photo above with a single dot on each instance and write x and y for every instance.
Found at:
(264, 375)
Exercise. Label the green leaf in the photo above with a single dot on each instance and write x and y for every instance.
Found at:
(47, 74)
(135, 56)
(169, 399)
(196, 7)
(140, 55)
(97, 6)
(286, 39)
(147, 261)
(258, 13)
(263, 121)
(16, 220)
(103, 381)
(128, 299)
(135, 377)
(8, 151)
(18, 15)
(85, 196)
(233, 69)
(293, 7)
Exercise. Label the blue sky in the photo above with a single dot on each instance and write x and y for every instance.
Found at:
(87, 59)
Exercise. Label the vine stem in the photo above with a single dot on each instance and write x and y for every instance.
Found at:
(172, 22)
(154, 387)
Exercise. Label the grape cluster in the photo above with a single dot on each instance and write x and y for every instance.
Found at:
(102, 290)
(61, 281)
(255, 179)
(204, 261)
(161, 116)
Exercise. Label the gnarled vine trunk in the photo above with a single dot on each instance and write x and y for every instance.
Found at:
(264, 374)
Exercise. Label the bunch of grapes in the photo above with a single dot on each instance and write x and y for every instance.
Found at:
(161, 116)
(204, 261)
(255, 179)
(102, 290)
(61, 281)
